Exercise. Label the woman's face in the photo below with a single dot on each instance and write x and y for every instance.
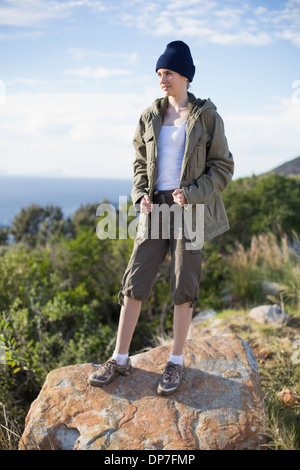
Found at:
(172, 83)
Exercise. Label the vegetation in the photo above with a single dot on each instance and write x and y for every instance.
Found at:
(277, 353)
(59, 296)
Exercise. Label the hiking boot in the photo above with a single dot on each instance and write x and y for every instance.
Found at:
(108, 371)
(170, 380)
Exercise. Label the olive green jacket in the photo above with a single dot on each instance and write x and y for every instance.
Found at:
(207, 166)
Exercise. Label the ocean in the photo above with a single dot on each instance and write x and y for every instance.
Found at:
(69, 194)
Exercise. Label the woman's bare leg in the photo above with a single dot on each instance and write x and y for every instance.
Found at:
(129, 315)
(181, 323)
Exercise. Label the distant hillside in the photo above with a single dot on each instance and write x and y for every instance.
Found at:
(289, 168)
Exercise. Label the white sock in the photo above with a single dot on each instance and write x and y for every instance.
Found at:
(120, 358)
(176, 359)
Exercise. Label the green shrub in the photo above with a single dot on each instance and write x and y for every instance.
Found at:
(267, 259)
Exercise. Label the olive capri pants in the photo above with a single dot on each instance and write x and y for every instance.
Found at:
(147, 256)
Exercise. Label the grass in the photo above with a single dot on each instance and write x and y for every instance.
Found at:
(274, 349)
(266, 259)
(10, 432)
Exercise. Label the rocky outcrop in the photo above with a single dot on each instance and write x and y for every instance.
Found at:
(219, 404)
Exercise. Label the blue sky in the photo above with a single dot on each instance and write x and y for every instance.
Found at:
(75, 76)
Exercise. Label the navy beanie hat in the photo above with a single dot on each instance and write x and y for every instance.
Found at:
(177, 57)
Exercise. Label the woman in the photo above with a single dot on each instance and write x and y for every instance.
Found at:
(182, 158)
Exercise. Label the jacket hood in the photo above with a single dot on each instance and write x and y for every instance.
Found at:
(196, 105)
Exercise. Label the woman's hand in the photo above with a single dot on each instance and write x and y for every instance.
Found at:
(146, 205)
(179, 197)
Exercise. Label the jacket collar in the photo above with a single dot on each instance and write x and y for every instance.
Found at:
(196, 107)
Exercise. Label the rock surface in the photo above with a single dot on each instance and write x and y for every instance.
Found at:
(269, 315)
(219, 405)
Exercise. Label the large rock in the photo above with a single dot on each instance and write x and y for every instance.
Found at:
(269, 315)
(219, 404)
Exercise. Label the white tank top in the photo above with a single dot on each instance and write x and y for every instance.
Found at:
(171, 145)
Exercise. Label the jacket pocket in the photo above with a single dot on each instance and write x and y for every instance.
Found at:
(148, 136)
(142, 229)
(198, 157)
(187, 259)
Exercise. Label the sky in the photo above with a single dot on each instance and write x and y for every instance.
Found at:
(75, 75)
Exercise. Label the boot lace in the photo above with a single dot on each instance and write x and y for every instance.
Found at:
(170, 374)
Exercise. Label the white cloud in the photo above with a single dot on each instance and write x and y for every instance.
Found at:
(98, 73)
(81, 53)
(26, 13)
(226, 23)
(20, 35)
(81, 135)
(91, 134)
(240, 38)
(263, 140)
(26, 81)
(215, 21)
